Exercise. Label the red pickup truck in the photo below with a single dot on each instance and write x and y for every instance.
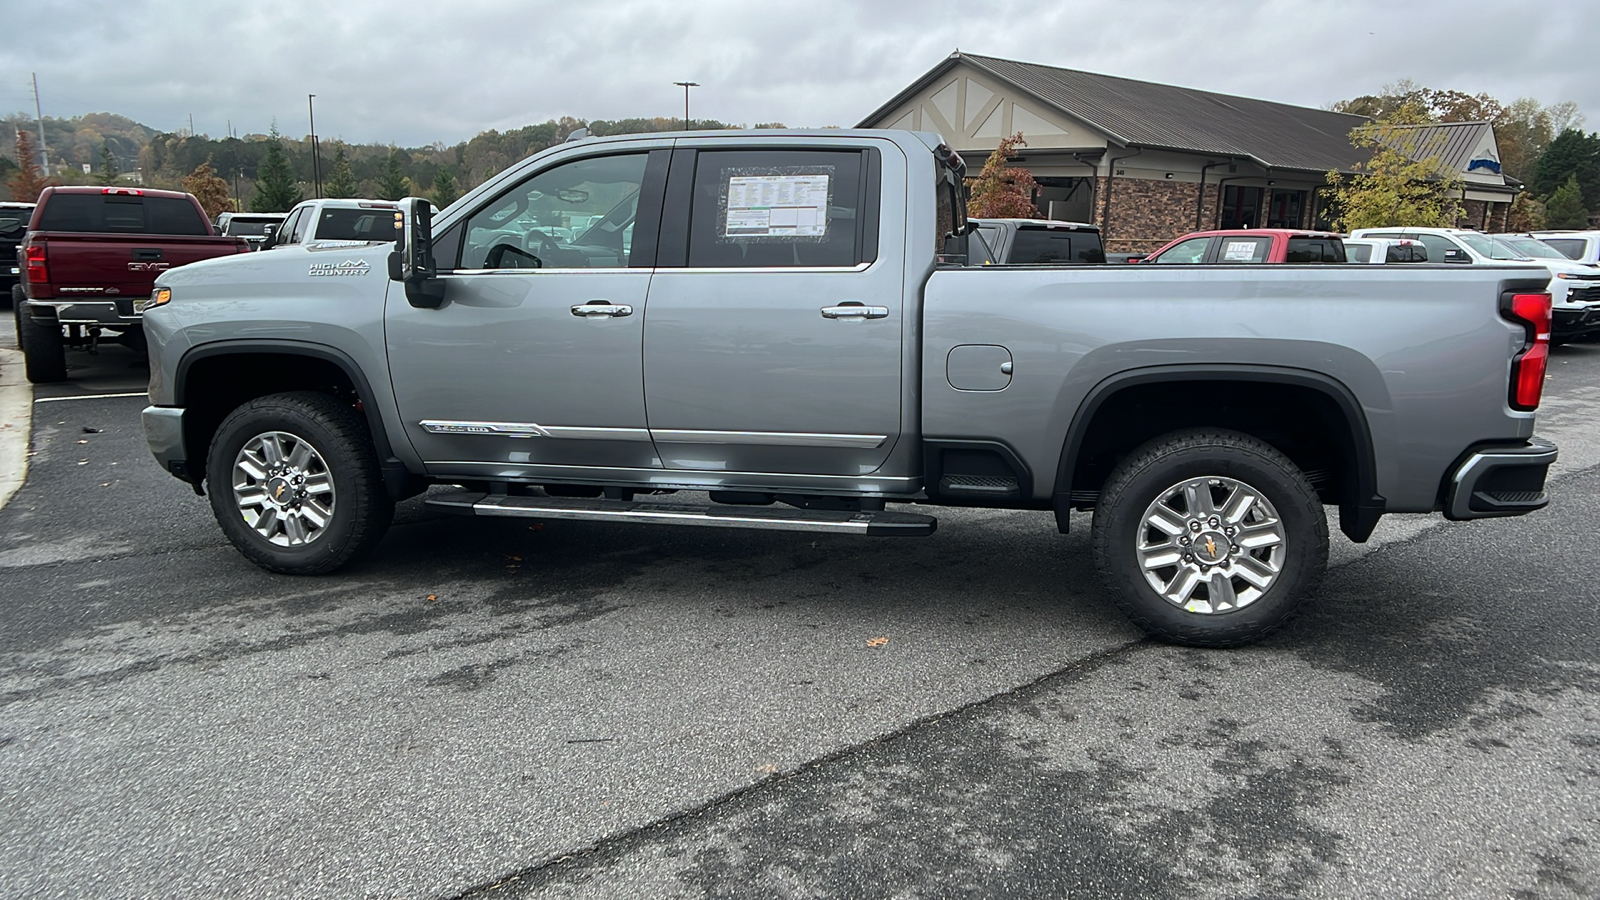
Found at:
(89, 259)
(1252, 245)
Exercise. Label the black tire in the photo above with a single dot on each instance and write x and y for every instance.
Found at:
(17, 299)
(1223, 461)
(43, 352)
(342, 445)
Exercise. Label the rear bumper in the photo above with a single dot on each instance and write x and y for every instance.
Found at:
(163, 431)
(83, 312)
(1570, 322)
(1500, 481)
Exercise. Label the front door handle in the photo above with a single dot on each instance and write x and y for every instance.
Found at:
(851, 309)
(595, 309)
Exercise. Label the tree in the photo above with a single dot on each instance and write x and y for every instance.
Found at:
(392, 183)
(1526, 214)
(1572, 153)
(210, 190)
(341, 181)
(445, 191)
(1400, 184)
(1565, 207)
(1002, 191)
(29, 181)
(108, 173)
(276, 190)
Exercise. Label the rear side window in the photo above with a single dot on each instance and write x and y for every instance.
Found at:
(782, 208)
(1315, 250)
(1244, 249)
(1056, 246)
(1571, 248)
(121, 214)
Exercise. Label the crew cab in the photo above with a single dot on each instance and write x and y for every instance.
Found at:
(91, 255)
(1252, 245)
(332, 219)
(1574, 287)
(1034, 242)
(755, 330)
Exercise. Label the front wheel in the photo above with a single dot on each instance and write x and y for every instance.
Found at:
(1209, 538)
(295, 483)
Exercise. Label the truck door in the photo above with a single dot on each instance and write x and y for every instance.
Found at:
(775, 326)
(534, 357)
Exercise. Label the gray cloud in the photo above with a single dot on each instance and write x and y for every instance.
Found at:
(414, 73)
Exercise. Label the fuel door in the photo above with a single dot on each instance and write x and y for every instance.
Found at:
(978, 367)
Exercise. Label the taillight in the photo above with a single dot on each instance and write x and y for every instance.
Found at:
(1532, 311)
(38, 271)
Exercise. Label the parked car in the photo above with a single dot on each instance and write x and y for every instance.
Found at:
(1574, 287)
(1578, 246)
(90, 257)
(812, 366)
(1379, 251)
(1252, 245)
(14, 218)
(1034, 242)
(331, 219)
(255, 228)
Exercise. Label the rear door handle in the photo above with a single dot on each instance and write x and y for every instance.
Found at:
(853, 310)
(596, 309)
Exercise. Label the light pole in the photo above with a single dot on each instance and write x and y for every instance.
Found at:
(686, 85)
(316, 161)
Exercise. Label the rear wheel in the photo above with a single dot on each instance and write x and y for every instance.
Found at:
(295, 483)
(1209, 538)
(43, 352)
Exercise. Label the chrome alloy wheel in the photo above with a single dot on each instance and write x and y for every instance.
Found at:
(1211, 545)
(283, 488)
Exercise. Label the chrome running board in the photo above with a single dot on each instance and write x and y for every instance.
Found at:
(874, 523)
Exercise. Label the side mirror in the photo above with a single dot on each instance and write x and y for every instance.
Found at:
(1453, 255)
(412, 260)
(269, 234)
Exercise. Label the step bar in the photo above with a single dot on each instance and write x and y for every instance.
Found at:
(877, 523)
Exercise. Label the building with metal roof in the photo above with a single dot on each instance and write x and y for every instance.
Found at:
(1148, 162)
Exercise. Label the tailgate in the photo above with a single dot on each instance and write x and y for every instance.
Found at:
(122, 265)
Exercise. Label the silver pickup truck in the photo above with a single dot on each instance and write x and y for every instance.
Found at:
(762, 320)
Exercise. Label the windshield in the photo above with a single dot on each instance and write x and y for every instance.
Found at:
(1532, 247)
(1490, 247)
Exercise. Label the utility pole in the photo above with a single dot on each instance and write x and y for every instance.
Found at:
(191, 124)
(44, 154)
(686, 85)
(316, 161)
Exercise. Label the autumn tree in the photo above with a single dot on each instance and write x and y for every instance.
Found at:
(445, 190)
(392, 182)
(29, 181)
(1402, 183)
(1526, 214)
(276, 189)
(341, 180)
(108, 173)
(209, 189)
(1002, 191)
(1565, 207)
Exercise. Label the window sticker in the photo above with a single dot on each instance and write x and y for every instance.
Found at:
(1239, 251)
(779, 203)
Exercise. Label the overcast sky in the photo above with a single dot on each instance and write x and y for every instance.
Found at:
(412, 73)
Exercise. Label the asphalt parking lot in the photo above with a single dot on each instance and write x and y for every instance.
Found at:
(569, 709)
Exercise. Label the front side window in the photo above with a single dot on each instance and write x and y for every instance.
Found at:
(578, 215)
(1437, 245)
(784, 208)
(302, 224)
(1191, 251)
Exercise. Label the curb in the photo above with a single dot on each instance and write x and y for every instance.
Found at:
(16, 418)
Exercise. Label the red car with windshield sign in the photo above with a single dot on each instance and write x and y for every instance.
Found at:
(1252, 245)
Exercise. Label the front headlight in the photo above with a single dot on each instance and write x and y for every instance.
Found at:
(158, 297)
(1571, 276)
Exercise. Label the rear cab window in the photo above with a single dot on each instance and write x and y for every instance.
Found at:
(1571, 248)
(1043, 245)
(122, 214)
(372, 224)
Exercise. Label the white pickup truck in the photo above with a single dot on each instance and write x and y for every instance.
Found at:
(335, 220)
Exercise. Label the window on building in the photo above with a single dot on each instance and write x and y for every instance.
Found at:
(1241, 207)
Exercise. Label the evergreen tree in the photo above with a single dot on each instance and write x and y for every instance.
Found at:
(392, 183)
(209, 189)
(108, 173)
(445, 191)
(1572, 153)
(341, 181)
(276, 190)
(1527, 214)
(1565, 207)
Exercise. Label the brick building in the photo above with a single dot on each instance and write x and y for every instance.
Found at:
(1148, 162)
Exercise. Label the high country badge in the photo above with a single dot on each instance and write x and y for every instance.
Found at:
(348, 267)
